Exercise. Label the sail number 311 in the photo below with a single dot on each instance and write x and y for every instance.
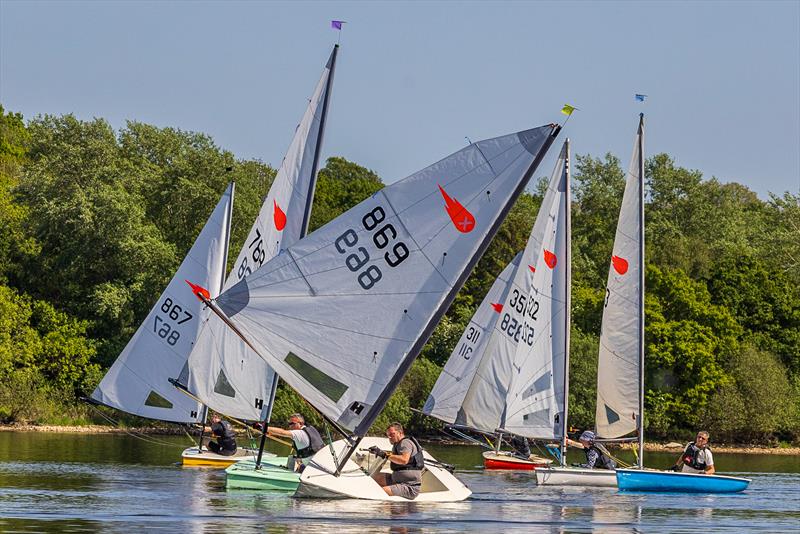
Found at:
(382, 237)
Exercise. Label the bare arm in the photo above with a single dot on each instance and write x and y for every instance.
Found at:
(400, 459)
(577, 444)
(276, 431)
(710, 469)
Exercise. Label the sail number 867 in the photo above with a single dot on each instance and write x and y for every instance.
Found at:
(382, 236)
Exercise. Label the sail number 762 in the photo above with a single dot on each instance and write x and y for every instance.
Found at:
(382, 237)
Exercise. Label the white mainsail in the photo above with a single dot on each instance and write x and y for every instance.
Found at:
(138, 381)
(539, 307)
(516, 348)
(447, 398)
(223, 371)
(619, 367)
(342, 314)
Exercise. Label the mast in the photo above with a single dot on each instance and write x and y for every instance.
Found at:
(568, 314)
(204, 412)
(640, 422)
(312, 185)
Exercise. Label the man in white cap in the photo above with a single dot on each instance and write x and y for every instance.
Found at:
(596, 458)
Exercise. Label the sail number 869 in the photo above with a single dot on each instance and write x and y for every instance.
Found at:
(381, 237)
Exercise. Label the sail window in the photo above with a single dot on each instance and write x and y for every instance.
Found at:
(611, 415)
(327, 385)
(157, 401)
(223, 387)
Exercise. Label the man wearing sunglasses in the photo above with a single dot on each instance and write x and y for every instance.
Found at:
(306, 439)
(696, 458)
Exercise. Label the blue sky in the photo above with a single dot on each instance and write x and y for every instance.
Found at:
(414, 79)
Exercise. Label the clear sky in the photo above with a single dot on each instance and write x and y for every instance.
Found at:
(413, 79)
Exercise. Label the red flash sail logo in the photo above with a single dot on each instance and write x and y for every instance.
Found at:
(497, 307)
(461, 217)
(550, 259)
(532, 268)
(199, 292)
(278, 216)
(620, 264)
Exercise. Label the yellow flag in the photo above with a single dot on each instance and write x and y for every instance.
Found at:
(567, 109)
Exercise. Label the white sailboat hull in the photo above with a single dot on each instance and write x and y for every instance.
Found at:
(355, 480)
(575, 476)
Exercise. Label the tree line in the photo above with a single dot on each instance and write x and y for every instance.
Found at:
(94, 222)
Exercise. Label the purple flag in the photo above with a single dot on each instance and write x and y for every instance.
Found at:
(337, 24)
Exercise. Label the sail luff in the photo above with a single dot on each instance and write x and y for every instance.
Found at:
(416, 348)
(619, 368)
(568, 293)
(640, 423)
(318, 148)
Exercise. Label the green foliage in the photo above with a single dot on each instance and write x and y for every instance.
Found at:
(760, 404)
(94, 222)
(583, 353)
(44, 357)
(688, 339)
(14, 243)
(341, 185)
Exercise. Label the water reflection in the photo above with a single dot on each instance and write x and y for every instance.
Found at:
(51, 483)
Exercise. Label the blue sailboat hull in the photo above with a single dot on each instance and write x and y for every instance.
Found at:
(646, 480)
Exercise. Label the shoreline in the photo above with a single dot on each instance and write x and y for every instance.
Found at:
(650, 447)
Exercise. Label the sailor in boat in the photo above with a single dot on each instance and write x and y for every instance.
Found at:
(306, 439)
(521, 446)
(596, 457)
(406, 462)
(226, 437)
(696, 457)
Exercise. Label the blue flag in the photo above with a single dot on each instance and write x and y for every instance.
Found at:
(337, 24)
(640, 98)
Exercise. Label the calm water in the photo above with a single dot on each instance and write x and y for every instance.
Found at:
(86, 483)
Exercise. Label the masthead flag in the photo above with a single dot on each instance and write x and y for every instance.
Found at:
(337, 24)
(640, 98)
(567, 109)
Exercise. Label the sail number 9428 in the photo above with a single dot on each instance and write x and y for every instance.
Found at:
(382, 236)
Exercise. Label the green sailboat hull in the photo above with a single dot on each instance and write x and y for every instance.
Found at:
(272, 475)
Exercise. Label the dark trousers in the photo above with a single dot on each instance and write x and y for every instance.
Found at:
(213, 446)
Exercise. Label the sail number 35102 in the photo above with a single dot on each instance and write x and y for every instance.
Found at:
(382, 237)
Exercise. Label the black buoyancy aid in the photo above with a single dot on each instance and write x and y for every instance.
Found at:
(415, 461)
(691, 455)
(603, 460)
(227, 439)
(315, 442)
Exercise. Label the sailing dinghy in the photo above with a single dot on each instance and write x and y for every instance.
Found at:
(503, 376)
(222, 370)
(138, 381)
(620, 366)
(401, 255)
(668, 481)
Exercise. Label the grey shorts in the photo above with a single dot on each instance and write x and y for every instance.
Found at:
(405, 490)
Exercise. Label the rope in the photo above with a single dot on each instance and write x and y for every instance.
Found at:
(139, 436)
